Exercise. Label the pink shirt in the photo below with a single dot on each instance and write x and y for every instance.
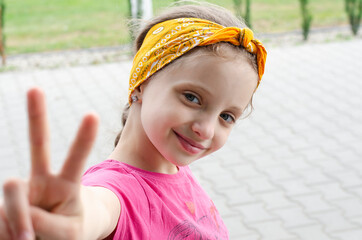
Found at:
(158, 206)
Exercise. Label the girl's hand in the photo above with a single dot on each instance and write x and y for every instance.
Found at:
(48, 204)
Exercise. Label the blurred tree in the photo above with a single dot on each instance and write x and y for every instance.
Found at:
(239, 11)
(138, 10)
(306, 18)
(2, 35)
(354, 12)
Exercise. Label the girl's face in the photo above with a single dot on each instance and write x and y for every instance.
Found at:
(188, 111)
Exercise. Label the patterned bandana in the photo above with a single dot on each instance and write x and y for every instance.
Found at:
(171, 39)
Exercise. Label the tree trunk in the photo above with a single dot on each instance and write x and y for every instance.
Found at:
(147, 9)
(141, 9)
(2, 40)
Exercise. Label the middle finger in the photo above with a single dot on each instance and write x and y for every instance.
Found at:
(38, 132)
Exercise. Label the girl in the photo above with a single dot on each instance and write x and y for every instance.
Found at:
(193, 76)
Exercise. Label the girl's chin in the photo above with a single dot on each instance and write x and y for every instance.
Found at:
(182, 162)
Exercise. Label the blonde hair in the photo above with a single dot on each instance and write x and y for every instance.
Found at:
(205, 11)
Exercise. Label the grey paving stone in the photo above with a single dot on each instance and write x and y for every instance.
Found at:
(295, 187)
(358, 221)
(313, 203)
(330, 165)
(268, 141)
(315, 154)
(347, 155)
(226, 211)
(255, 212)
(245, 171)
(298, 143)
(263, 160)
(293, 217)
(243, 229)
(349, 178)
(273, 230)
(356, 145)
(259, 185)
(223, 181)
(312, 232)
(332, 191)
(354, 234)
(314, 176)
(276, 200)
(334, 221)
(297, 164)
(356, 190)
(246, 237)
(351, 207)
(279, 172)
(240, 195)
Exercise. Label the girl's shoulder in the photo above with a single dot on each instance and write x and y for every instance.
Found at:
(116, 171)
(107, 165)
(110, 174)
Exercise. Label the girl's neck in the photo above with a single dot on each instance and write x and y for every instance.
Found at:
(135, 149)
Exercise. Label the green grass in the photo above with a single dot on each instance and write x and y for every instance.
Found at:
(48, 25)
(42, 25)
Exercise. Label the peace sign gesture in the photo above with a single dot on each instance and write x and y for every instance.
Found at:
(48, 205)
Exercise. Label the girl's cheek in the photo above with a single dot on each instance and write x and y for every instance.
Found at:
(222, 140)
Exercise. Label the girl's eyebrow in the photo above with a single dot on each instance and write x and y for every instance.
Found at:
(237, 110)
(199, 87)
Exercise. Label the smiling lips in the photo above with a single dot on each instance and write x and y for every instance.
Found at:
(190, 145)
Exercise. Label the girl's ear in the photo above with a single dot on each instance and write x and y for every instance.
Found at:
(141, 88)
(138, 92)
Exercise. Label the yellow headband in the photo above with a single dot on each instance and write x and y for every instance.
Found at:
(171, 39)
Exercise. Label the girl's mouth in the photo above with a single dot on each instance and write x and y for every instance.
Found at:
(189, 145)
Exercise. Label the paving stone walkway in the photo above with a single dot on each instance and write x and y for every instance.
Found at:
(292, 170)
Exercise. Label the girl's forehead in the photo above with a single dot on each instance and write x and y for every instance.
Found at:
(203, 64)
(206, 64)
(224, 52)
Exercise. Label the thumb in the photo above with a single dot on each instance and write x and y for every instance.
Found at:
(16, 209)
(5, 232)
(53, 226)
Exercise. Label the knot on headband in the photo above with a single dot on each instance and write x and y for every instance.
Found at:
(246, 38)
(171, 39)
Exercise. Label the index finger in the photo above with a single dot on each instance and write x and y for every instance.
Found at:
(38, 132)
(81, 147)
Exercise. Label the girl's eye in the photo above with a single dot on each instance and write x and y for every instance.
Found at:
(227, 117)
(192, 98)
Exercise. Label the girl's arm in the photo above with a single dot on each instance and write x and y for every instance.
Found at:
(97, 219)
(56, 206)
(101, 213)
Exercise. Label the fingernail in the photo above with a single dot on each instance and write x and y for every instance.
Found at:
(26, 236)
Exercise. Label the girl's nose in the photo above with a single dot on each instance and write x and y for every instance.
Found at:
(204, 128)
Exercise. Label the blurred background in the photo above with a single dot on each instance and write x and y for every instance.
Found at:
(42, 26)
(290, 171)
